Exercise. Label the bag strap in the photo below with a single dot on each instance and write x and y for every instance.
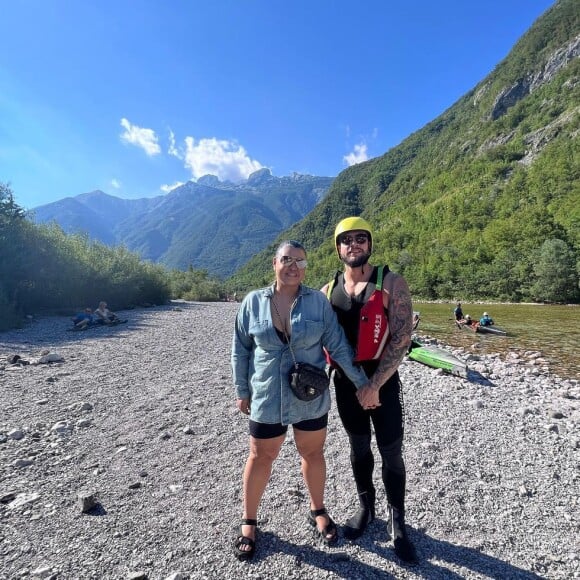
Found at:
(285, 334)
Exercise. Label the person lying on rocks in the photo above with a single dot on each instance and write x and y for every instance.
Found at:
(104, 316)
(83, 320)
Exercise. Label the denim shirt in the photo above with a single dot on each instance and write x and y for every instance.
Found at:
(261, 362)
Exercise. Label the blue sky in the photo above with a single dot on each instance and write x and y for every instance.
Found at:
(134, 97)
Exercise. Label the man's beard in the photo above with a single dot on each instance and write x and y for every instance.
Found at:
(357, 261)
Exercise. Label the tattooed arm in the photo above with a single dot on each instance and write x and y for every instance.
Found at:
(397, 301)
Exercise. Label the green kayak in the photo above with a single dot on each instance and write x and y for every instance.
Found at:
(438, 358)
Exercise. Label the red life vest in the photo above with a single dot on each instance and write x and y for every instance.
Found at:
(369, 333)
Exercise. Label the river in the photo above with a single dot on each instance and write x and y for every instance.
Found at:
(552, 330)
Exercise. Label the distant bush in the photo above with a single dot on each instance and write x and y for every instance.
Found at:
(44, 269)
(195, 285)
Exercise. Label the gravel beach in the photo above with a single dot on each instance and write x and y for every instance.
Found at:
(124, 460)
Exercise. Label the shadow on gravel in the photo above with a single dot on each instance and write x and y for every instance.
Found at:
(433, 556)
(434, 553)
(98, 510)
(477, 377)
(474, 560)
(332, 560)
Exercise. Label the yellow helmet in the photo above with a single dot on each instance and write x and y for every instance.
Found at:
(348, 225)
(353, 223)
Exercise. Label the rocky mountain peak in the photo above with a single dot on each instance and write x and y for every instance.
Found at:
(209, 180)
(260, 176)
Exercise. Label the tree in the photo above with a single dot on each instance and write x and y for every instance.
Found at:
(9, 209)
(555, 270)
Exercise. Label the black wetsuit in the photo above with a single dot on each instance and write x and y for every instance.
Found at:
(387, 420)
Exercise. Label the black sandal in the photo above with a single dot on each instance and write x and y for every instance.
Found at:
(241, 540)
(328, 530)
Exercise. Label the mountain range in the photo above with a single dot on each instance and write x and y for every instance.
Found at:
(208, 225)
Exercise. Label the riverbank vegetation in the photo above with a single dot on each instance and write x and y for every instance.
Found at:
(42, 269)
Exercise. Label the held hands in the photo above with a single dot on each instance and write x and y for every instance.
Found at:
(243, 406)
(368, 397)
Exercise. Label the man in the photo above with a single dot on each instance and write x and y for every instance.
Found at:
(486, 320)
(374, 307)
(83, 320)
(458, 312)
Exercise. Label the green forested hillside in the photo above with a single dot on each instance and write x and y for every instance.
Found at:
(483, 202)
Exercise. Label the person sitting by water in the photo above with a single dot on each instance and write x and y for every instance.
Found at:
(486, 320)
(416, 319)
(83, 320)
(458, 313)
(104, 316)
(468, 321)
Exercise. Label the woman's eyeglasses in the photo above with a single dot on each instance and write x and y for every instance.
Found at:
(359, 239)
(289, 260)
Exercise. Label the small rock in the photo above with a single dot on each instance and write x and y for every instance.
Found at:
(338, 557)
(16, 434)
(42, 572)
(23, 499)
(86, 500)
(7, 497)
(61, 427)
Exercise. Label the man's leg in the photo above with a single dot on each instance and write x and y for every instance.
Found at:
(388, 422)
(356, 422)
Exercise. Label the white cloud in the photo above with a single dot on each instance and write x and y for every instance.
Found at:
(168, 188)
(144, 138)
(115, 183)
(225, 159)
(172, 149)
(358, 155)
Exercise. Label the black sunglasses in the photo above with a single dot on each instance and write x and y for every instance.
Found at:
(359, 239)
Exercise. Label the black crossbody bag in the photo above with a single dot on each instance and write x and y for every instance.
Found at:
(308, 382)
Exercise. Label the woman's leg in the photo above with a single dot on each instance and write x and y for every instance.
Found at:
(310, 445)
(257, 472)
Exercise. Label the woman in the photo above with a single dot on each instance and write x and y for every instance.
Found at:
(261, 363)
(104, 315)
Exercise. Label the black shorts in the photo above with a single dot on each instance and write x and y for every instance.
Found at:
(271, 430)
